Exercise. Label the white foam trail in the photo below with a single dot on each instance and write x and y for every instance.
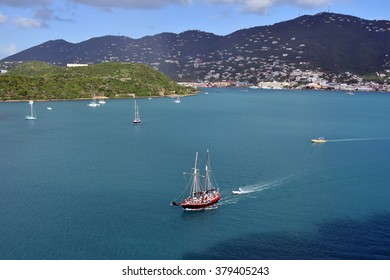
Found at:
(262, 186)
(212, 207)
(357, 139)
(228, 200)
(256, 187)
(253, 188)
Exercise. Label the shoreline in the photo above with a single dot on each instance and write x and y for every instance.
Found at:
(181, 95)
(97, 97)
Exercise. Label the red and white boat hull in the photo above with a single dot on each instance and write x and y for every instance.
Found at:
(200, 205)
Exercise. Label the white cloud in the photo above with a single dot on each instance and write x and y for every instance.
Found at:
(7, 50)
(261, 6)
(254, 6)
(46, 14)
(3, 18)
(311, 3)
(132, 4)
(42, 13)
(25, 3)
(23, 22)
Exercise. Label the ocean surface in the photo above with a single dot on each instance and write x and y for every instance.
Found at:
(84, 183)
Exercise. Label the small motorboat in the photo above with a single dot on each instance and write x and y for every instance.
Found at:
(318, 140)
(240, 191)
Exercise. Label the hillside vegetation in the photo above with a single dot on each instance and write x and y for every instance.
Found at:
(334, 44)
(42, 81)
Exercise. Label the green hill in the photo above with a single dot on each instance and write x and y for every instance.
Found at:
(42, 81)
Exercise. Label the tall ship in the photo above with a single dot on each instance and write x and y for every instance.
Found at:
(204, 192)
(137, 119)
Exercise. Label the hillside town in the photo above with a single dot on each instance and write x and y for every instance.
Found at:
(310, 79)
(282, 79)
(287, 55)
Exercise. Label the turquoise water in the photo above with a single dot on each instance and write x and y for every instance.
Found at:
(84, 183)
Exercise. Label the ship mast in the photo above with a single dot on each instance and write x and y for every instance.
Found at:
(31, 108)
(195, 182)
(206, 177)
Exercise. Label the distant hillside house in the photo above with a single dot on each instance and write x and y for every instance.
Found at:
(76, 65)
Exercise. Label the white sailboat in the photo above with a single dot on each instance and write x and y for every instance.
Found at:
(102, 101)
(177, 100)
(32, 115)
(137, 119)
(93, 103)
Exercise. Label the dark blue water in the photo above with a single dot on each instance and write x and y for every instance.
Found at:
(84, 183)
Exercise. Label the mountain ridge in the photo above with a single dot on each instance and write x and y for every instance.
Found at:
(329, 42)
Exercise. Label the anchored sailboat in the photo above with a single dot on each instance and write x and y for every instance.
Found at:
(93, 102)
(137, 119)
(32, 115)
(102, 101)
(201, 195)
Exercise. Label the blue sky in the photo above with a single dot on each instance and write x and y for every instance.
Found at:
(27, 23)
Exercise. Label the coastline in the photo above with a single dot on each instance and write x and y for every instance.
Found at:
(187, 95)
(99, 97)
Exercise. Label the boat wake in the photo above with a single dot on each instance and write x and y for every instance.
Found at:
(261, 186)
(357, 139)
(258, 187)
(250, 189)
(211, 207)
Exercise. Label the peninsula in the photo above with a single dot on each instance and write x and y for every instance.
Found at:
(42, 81)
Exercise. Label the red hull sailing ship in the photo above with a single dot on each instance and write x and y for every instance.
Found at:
(201, 195)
